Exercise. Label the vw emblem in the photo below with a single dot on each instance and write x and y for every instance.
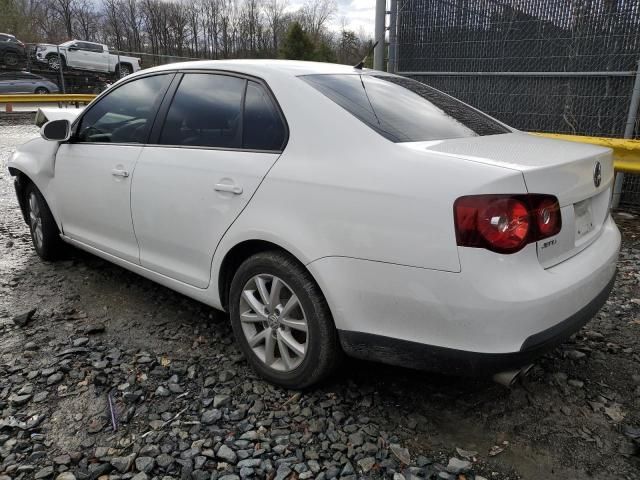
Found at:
(273, 320)
(597, 174)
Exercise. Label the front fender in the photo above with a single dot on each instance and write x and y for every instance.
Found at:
(36, 160)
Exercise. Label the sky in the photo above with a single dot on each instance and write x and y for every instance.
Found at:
(357, 13)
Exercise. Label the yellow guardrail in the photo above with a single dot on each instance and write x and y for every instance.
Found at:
(48, 98)
(626, 153)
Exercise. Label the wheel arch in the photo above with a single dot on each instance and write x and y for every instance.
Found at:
(22, 180)
(20, 184)
(237, 254)
(128, 64)
(55, 54)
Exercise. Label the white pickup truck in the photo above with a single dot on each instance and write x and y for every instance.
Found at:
(81, 55)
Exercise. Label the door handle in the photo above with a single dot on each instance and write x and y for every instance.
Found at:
(119, 173)
(224, 187)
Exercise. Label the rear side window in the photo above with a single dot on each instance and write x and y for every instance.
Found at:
(222, 111)
(206, 111)
(125, 114)
(94, 47)
(263, 127)
(403, 110)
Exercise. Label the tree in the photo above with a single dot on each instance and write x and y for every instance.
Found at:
(66, 10)
(166, 29)
(348, 48)
(297, 44)
(315, 14)
(324, 52)
(274, 12)
(86, 20)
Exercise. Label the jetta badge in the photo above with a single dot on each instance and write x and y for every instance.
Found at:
(597, 174)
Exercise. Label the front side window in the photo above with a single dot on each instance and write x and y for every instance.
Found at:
(206, 111)
(125, 114)
(404, 110)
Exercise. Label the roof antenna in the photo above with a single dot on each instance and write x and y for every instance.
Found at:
(360, 64)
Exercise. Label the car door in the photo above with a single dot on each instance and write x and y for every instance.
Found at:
(93, 171)
(100, 58)
(27, 83)
(21, 83)
(220, 136)
(7, 83)
(74, 56)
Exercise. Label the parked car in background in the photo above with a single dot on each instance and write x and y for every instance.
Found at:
(25, 82)
(81, 55)
(12, 50)
(392, 223)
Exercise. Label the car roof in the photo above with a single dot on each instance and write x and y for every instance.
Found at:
(292, 68)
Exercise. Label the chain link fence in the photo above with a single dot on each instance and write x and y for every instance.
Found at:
(562, 66)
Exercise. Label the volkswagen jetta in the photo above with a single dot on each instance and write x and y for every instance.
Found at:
(331, 210)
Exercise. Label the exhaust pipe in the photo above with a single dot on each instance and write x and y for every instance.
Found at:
(510, 377)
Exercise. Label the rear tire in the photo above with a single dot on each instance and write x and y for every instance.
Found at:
(44, 231)
(123, 70)
(274, 325)
(41, 91)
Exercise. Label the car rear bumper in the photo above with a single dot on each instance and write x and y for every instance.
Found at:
(461, 362)
(498, 312)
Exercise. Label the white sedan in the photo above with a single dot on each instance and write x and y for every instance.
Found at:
(331, 210)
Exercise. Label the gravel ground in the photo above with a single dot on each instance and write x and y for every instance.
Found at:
(187, 406)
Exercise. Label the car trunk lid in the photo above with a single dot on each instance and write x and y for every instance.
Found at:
(579, 175)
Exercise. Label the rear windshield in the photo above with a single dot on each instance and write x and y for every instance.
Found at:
(403, 110)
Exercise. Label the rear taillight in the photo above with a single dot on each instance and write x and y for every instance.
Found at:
(505, 223)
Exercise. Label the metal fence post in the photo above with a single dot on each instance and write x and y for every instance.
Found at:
(378, 51)
(393, 39)
(629, 130)
(64, 90)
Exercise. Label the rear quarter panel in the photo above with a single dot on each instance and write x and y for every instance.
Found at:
(340, 189)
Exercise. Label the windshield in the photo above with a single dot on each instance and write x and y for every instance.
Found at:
(66, 44)
(403, 110)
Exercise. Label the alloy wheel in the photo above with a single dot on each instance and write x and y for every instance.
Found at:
(11, 59)
(35, 220)
(54, 63)
(274, 322)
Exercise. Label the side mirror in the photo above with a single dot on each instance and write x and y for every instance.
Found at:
(56, 131)
(72, 49)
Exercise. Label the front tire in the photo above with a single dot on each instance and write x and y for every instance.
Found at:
(10, 59)
(55, 63)
(44, 231)
(41, 91)
(282, 321)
